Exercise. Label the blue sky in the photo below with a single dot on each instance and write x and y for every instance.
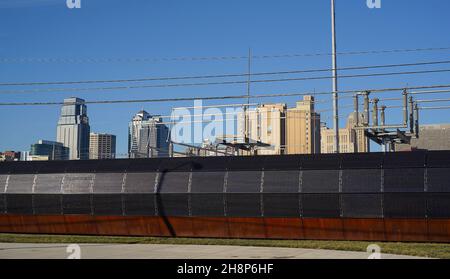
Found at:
(113, 29)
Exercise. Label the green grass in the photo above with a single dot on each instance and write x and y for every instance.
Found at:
(433, 250)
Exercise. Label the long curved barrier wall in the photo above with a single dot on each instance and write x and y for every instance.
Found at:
(374, 196)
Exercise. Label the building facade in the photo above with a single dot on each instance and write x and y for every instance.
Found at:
(303, 128)
(431, 137)
(347, 142)
(50, 150)
(102, 146)
(265, 124)
(73, 128)
(148, 136)
(351, 140)
(362, 141)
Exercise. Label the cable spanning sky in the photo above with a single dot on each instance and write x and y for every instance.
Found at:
(44, 41)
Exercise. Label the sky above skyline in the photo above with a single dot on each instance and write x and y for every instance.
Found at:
(123, 31)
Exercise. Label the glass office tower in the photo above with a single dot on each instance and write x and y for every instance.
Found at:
(73, 128)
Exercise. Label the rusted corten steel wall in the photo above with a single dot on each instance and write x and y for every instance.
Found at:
(417, 230)
(374, 196)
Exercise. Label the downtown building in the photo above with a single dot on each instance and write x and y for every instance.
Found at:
(148, 136)
(287, 130)
(45, 150)
(351, 140)
(102, 146)
(263, 124)
(303, 128)
(73, 128)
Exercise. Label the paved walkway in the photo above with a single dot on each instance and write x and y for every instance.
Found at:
(163, 251)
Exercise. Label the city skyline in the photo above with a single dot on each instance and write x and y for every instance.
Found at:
(297, 27)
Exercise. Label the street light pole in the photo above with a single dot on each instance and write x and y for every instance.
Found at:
(335, 85)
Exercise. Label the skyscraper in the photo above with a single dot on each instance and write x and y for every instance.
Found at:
(102, 146)
(147, 136)
(303, 128)
(73, 128)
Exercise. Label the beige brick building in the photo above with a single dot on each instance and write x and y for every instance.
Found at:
(102, 146)
(266, 124)
(303, 128)
(350, 139)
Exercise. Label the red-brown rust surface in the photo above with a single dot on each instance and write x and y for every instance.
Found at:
(111, 225)
(364, 229)
(246, 227)
(284, 228)
(207, 226)
(406, 230)
(323, 228)
(421, 230)
(179, 226)
(439, 230)
(53, 224)
(139, 227)
(81, 224)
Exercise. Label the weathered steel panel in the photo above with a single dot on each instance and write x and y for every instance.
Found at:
(364, 229)
(80, 224)
(418, 230)
(210, 227)
(111, 225)
(52, 224)
(406, 230)
(181, 226)
(439, 230)
(323, 228)
(247, 227)
(284, 228)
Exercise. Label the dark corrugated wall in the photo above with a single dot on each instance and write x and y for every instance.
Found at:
(375, 196)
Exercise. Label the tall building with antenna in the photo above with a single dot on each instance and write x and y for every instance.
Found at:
(73, 128)
(147, 136)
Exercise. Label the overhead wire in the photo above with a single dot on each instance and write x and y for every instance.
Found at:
(49, 90)
(209, 58)
(378, 90)
(220, 75)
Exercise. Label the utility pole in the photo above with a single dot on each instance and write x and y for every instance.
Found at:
(246, 118)
(335, 84)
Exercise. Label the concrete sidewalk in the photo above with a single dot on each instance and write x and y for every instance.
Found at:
(164, 251)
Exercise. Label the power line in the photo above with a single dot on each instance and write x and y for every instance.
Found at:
(207, 58)
(432, 108)
(429, 92)
(375, 90)
(214, 83)
(225, 75)
(433, 100)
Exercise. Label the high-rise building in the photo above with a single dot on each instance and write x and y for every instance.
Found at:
(303, 128)
(431, 137)
(147, 136)
(102, 146)
(265, 124)
(73, 128)
(350, 139)
(49, 149)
